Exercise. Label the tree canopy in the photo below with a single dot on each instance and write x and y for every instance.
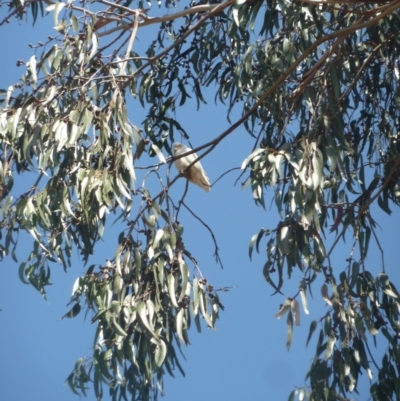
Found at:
(316, 86)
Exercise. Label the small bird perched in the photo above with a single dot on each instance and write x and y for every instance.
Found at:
(195, 174)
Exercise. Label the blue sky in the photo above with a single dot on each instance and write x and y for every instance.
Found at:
(245, 357)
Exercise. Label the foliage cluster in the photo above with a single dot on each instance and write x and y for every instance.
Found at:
(317, 86)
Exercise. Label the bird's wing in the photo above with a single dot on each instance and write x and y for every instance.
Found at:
(196, 173)
(199, 177)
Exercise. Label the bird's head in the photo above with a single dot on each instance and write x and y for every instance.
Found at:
(179, 148)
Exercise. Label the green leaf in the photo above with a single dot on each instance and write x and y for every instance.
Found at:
(179, 324)
(142, 312)
(95, 46)
(199, 95)
(286, 307)
(292, 395)
(295, 309)
(74, 22)
(171, 289)
(157, 238)
(21, 272)
(255, 239)
(158, 152)
(329, 347)
(290, 330)
(32, 69)
(118, 329)
(384, 204)
(57, 7)
(313, 326)
(73, 312)
(304, 297)
(250, 158)
(160, 353)
(355, 270)
(183, 93)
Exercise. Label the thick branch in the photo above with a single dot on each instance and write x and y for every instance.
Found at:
(157, 20)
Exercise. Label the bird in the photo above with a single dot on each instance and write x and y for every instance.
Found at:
(196, 173)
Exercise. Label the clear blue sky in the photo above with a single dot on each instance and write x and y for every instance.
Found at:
(245, 357)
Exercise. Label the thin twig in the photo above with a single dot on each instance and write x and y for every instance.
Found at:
(194, 261)
(181, 200)
(101, 50)
(216, 254)
(226, 172)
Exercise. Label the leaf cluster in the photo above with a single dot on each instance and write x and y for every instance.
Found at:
(316, 86)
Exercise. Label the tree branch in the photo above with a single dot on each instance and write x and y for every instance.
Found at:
(156, 20)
